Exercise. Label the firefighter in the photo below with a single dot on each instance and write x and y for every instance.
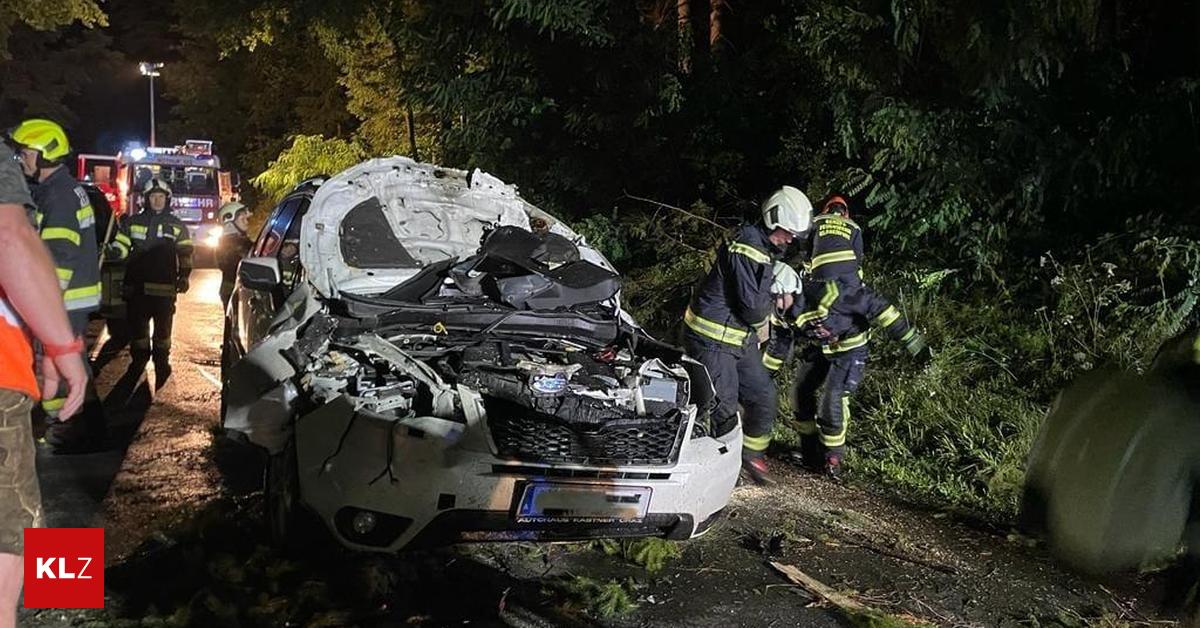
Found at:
(837, 245)
(160, 261)
(235, 244)
(66, 222)
(112, 300)
(728, 318)
(839, 320)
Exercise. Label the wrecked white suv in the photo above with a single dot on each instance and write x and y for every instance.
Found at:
(428, 359)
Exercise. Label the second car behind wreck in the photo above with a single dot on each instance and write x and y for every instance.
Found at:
(428, 358)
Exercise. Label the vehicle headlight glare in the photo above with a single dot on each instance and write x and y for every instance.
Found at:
(213, 238)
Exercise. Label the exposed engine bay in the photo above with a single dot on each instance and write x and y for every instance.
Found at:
(549, 400)
(574, 384)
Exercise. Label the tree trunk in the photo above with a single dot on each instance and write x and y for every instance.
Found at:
(412, 133)
(683, 10)
(716, 17)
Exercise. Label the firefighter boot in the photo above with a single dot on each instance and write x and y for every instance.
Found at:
(833, 467)
(754, 463)
(162, 366)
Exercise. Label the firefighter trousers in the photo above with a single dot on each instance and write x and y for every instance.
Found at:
(739, 378)
(144, 310)
(821, 396)
(118, 339)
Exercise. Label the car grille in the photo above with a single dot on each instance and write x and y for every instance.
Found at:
(528, 436)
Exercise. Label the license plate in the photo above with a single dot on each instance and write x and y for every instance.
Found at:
(567, 503)
(189, 214)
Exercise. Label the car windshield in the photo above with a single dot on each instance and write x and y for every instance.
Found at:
(197, 180)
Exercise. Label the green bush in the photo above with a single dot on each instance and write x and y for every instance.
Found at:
(957, 431)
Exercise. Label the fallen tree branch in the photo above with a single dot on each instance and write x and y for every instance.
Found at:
(821, 589)
(946, 569)
(847, 605)
(678, 209)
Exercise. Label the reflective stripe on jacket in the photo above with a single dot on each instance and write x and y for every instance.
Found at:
(837, 248)
(67, 225)
(849, 315)
(735, 296)
(160, 253)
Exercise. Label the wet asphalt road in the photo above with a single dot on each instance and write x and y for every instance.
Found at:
(154, 468)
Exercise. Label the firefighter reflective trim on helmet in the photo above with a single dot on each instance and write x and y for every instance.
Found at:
(137, 232)
(822, 309)
(832, 258)
(86, 216)
(771, 362)
(839, 439)
(82, 298)
(714, 331)
(61, 233)
(64, 277)
(756, 443)
(806, 428)
(845, 344)
(888, 316)
(159, 289)
(745, 249)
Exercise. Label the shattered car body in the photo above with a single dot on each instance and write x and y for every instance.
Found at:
(445, 362)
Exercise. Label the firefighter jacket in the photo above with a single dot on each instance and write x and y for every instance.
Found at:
(837, 249)
(735, 297)
(840, 319)
(231, 248)
(160, 255)
(112, 271)
(67, 224)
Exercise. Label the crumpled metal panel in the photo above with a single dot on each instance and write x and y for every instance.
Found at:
(435, 213)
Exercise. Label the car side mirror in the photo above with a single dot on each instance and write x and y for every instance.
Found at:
(259, 273)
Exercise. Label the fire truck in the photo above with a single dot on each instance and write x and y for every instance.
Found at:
(198, 184)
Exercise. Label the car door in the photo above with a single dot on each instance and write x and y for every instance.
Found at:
(256, 306)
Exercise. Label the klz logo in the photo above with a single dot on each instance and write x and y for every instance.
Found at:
(64, 567)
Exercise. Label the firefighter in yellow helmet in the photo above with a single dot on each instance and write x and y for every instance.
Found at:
(234, 244)
(66, 222)
(160, 261)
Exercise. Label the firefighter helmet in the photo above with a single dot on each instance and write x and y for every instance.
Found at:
(229, 211)
(788, 209)
(786, 279)
(45, 136)
(836, 205)
(156, 184)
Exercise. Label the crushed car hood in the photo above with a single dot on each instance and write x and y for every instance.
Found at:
(379, 223)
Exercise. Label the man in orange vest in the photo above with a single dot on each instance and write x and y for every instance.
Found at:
(31, 301)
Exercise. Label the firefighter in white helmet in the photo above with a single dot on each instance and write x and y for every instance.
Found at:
(235, 243)
(728, 319)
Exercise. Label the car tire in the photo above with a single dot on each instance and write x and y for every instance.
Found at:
(290, 525)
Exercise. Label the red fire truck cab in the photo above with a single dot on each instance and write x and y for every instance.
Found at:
(198, 184)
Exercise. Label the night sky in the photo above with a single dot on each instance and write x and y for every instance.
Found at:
(115, 108)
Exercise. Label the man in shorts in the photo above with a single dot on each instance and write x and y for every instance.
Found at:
(31, 303)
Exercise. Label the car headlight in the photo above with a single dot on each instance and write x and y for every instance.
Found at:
(213, 238)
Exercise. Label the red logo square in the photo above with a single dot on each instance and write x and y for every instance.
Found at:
(64, 567)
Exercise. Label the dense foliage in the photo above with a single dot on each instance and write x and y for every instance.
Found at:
(1025, 169)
